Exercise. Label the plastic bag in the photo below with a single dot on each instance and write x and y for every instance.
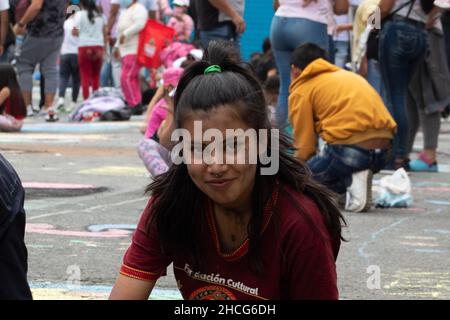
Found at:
(152, 39)
(394, 191)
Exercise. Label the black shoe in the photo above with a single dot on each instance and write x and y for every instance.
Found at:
(137, 110)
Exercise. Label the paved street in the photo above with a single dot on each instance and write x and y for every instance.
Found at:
(83, 178)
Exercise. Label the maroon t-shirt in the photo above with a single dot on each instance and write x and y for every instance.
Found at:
(297, 253)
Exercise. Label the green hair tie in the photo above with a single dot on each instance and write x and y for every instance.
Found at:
(213, 69)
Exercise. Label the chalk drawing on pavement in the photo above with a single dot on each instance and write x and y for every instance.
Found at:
(105, 227)
(61, 291)
(415, 283)
(116, 171)
(51, 230)
(439, 202)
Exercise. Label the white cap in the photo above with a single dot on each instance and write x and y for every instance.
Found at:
(197, 54)
(184, 3)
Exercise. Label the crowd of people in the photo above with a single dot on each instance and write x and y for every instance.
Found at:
(347, 84)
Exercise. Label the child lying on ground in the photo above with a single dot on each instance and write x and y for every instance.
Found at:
(12, 105)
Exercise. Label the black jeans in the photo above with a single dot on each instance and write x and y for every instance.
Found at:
(13, 252)
(69, 69)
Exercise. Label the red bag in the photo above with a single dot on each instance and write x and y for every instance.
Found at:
(152, 39)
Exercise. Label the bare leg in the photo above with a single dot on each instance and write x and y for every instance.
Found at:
(27, 97)
(49, 99)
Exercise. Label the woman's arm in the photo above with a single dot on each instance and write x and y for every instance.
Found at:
(386, 7)
(225, 7)
(166, 129)
(4, 22)
(276, 5)
(4, 94)
(434, 15)
(340, 6)
(127, 288)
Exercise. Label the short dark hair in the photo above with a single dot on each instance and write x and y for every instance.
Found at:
(272, 84)
(306, 53)
(266, 45)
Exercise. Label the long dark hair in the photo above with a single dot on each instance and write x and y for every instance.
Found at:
(178, 212)
(91, 8)
(8, 78)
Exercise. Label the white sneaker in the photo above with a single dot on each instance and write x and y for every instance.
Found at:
(51, 116)
(71, 107)
(30, 111)
(60, 104)
(359, 194)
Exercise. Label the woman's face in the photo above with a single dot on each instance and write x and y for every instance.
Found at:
(227, 184)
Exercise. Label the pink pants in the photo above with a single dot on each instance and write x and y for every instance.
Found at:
(129, 80)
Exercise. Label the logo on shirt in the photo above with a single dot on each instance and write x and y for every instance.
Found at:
(212, 293)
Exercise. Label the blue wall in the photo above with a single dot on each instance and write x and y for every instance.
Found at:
(258, 16)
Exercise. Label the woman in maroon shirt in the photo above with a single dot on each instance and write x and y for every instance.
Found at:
(231, 230)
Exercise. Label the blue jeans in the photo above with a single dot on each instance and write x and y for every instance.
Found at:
(69, 69)
(402, 46)
(341, 53)
(4, 58)
(226, 32)
(110, 73)
(334, 166)
(286, 35)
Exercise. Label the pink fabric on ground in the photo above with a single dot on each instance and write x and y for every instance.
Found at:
(158, 115)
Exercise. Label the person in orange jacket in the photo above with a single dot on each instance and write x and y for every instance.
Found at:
(343, 110)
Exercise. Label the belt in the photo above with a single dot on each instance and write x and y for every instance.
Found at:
(372, 144)
(409, 20)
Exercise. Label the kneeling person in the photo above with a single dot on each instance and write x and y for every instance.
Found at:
(349, 115)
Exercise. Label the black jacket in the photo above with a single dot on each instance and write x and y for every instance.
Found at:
(13, 252)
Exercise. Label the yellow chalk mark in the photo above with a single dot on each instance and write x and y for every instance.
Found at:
(419, 238)
(53, 137)
(116, 171)
(61, 294)
(419, 284)
(420, 244)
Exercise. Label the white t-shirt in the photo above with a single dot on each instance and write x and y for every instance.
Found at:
(70, 43)
(131, 22)
(416, 13)
(345, 35)
(316, 11)
(90, 34)
(4, 5)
